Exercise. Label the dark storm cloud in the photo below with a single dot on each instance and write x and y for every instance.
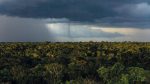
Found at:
(82, 10)
(133, 13)
(121, 22)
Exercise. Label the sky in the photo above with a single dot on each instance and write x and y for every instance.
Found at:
(74, 20)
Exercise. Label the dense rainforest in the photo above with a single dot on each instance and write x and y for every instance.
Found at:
(75, 63)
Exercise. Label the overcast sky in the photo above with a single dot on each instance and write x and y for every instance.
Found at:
(97, 20)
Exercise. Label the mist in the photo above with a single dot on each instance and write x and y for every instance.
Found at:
(14, 29)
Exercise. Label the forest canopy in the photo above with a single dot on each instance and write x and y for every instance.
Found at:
(75, 63)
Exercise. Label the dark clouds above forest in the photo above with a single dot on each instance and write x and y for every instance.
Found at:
(134, 13)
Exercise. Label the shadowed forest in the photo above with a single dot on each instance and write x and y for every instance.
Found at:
(75, 63)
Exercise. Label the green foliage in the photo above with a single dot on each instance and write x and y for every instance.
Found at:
(54, 72)
(117, 74)
(75, 63)
(124, 79)
(81, 81)
(111, 75)
(5, 75)
(136, 74)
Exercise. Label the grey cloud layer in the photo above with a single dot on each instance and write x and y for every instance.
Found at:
(130, 11)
